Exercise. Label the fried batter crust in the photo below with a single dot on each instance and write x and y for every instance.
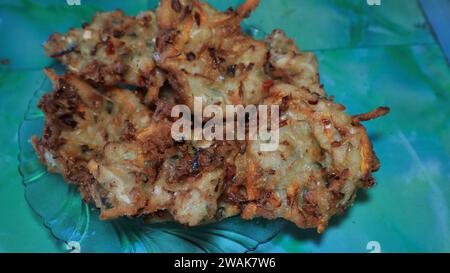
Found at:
(288, 63)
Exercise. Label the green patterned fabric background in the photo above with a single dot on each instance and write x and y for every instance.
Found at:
(368, 56)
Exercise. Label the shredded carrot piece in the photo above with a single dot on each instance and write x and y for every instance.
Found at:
(245, 9)
(379, 112)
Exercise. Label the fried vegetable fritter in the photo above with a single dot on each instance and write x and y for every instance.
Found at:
(324, 156)
(116, 144)
(122, 155)
(113, 49)
(80, 122)
(207, 55)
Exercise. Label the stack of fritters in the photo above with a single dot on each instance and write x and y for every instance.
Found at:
(116, 144)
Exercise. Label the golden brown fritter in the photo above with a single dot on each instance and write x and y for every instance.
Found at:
(81, 121)
(207, 55)
(324, 156)
(122, 155)
(113, 49)
(117, 144)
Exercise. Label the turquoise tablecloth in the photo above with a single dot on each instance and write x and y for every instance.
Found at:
(369, 56)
